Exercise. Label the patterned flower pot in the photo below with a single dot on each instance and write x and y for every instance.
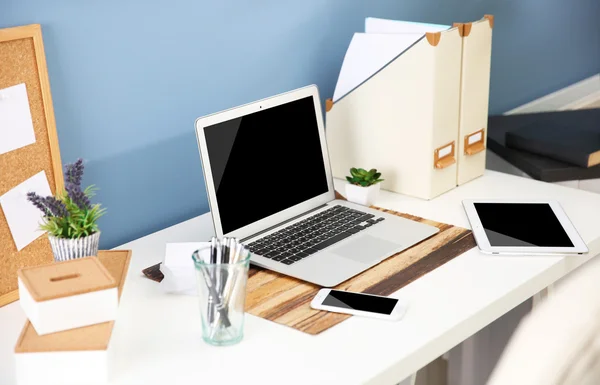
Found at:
(65, 249)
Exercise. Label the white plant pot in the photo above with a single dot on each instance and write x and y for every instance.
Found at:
(65, 249)
(365, 196)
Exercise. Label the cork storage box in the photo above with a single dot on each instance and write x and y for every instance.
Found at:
(82, 356)
(68, 295)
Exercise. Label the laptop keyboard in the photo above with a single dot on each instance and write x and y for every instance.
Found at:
(298, 241)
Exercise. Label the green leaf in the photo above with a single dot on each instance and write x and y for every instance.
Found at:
(90, 191)
(362, 177)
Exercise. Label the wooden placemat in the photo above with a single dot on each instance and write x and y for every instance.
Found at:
(286, 300)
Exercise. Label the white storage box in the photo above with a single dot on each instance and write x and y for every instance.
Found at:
(421, 118)
(68, 295)
(403, 120)
(73, 357)
(474, 97)
(82, 356)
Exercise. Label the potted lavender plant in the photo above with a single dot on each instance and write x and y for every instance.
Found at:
(70, 218)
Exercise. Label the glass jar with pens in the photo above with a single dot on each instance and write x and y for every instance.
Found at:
(222, 273)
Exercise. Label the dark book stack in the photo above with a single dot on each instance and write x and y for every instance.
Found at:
(549, 146)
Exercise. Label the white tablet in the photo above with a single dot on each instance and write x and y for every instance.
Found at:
(523, 227)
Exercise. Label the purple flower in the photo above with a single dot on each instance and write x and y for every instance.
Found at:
(78, 197)
(50, 206)
(56, 207)
(38, 202)
(74, 172)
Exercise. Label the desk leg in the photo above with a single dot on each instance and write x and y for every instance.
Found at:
(542, 295)
(409, 380)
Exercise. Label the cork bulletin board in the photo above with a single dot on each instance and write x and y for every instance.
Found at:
(22, 60)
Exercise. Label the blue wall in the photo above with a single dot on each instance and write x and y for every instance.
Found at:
(129, 77)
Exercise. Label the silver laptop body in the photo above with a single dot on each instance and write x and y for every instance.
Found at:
(269, 184)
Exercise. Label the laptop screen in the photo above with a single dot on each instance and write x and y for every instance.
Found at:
(266, 162)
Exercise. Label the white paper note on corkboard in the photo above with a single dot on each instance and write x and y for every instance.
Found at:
(16, 125)
(22, 216)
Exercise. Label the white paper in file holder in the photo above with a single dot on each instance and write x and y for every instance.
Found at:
(366, 55)
(376, 25)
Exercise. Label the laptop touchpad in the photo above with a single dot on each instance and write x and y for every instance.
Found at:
(366, 249)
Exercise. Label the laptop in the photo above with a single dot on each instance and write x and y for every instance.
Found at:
(269, 184)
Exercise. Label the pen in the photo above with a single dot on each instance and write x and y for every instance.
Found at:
(216, 269)
(243, 253)
(220, 270)
(221, 279)
(213, 250)
(232, 249)
(211, 279)
(235, 249)
(222, 250)
(222, 315)
(238, 251)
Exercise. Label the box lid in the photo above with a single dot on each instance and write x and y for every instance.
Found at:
(93, 337)
(537, 166)
(63, 279)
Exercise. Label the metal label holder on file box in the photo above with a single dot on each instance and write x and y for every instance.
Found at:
(475, 142)
(444, 156)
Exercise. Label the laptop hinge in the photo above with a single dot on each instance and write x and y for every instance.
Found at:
(282, 223)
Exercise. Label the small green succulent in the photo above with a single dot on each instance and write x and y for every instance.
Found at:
(362, 177)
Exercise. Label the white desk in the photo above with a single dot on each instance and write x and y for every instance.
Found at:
(157, 337)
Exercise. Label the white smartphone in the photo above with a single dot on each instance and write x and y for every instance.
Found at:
(360, 304)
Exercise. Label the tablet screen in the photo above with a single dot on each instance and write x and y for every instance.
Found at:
(522, 224)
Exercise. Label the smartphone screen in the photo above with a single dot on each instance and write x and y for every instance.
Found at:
(362, 302)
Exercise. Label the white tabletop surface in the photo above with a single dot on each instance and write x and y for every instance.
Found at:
(157, 336)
